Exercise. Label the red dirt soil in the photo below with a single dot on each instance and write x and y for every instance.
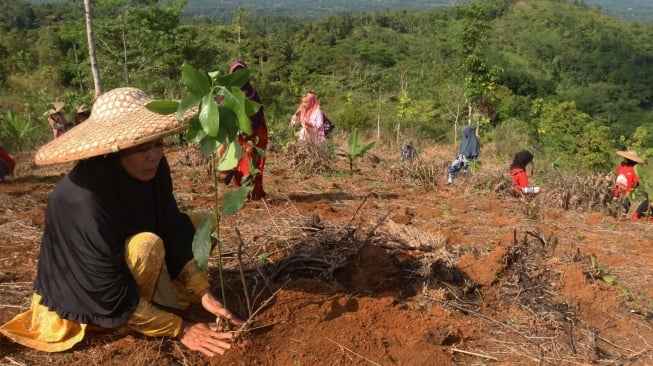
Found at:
(453, 275)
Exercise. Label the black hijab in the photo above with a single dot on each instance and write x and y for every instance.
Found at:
(82, 274)
(521, 159)
(469, 146)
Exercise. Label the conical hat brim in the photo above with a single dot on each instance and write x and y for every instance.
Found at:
(56, 107)
(630, 155)
(118, 121)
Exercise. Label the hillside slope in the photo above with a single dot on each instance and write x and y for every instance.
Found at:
(379, 269)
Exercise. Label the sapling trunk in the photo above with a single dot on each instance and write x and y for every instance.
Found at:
(216, 212)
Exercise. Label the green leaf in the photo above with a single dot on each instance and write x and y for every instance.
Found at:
(609, 279)
(234, 200)
(209, 116)
(188, 102)
(353, 142)
(228, 125)
(202, 243)
(366, 148)
(237, 79)
(236, 100)
(355, 149)
(251, 107)
(209, 146)
(164, 107)
(230, 157)
(195, 132)
(196, 82)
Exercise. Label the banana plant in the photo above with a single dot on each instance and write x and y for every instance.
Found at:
(356, 150)
(17, 129)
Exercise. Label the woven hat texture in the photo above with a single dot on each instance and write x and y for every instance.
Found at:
(56, 107)
(82, 108)
(631, 155)
(119, 120)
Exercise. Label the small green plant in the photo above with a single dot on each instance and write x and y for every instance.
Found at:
(195, 177)
(446, 215)
(263, 257)
(336, 173)
(628, 295)
(216, 128)
(602, 269)
(17, 130)
(473, 166)
(356, 150)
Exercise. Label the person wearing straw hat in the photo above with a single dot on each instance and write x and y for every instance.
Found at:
(57, 120)
(81, 114)
(116, 247)
(626, 177)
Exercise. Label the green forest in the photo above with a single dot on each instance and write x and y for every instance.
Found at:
(559, 77)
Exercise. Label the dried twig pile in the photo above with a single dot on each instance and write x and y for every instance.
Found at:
(559, 190)
(307, 158)
(419, 173)
(578, 192)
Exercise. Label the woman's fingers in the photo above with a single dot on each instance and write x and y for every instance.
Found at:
(211, 304)
(200, 337)
(211, 346)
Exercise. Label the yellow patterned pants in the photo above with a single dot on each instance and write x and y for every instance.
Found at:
(44, 330)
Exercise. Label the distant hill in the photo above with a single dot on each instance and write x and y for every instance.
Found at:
(628, 10)
(312, 9)
(224, 10)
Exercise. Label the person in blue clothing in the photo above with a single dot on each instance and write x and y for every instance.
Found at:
(469, 151)
(408, 152)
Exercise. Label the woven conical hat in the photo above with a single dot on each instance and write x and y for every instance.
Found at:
(631, 155)
(56, 107)
(82, 108)
(119, 120)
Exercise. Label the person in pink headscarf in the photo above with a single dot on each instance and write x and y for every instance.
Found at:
(311, 118)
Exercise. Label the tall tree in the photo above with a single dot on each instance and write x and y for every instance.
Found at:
(479, 76)
(95, 67)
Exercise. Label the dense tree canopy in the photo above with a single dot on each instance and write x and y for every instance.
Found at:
(559, 73)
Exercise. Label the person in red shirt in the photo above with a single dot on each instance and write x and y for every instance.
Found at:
(520, 186)
(627, 178)
(7, 164)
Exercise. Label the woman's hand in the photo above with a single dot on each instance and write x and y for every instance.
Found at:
(200, 337)
(293, 120)
(213, 306)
